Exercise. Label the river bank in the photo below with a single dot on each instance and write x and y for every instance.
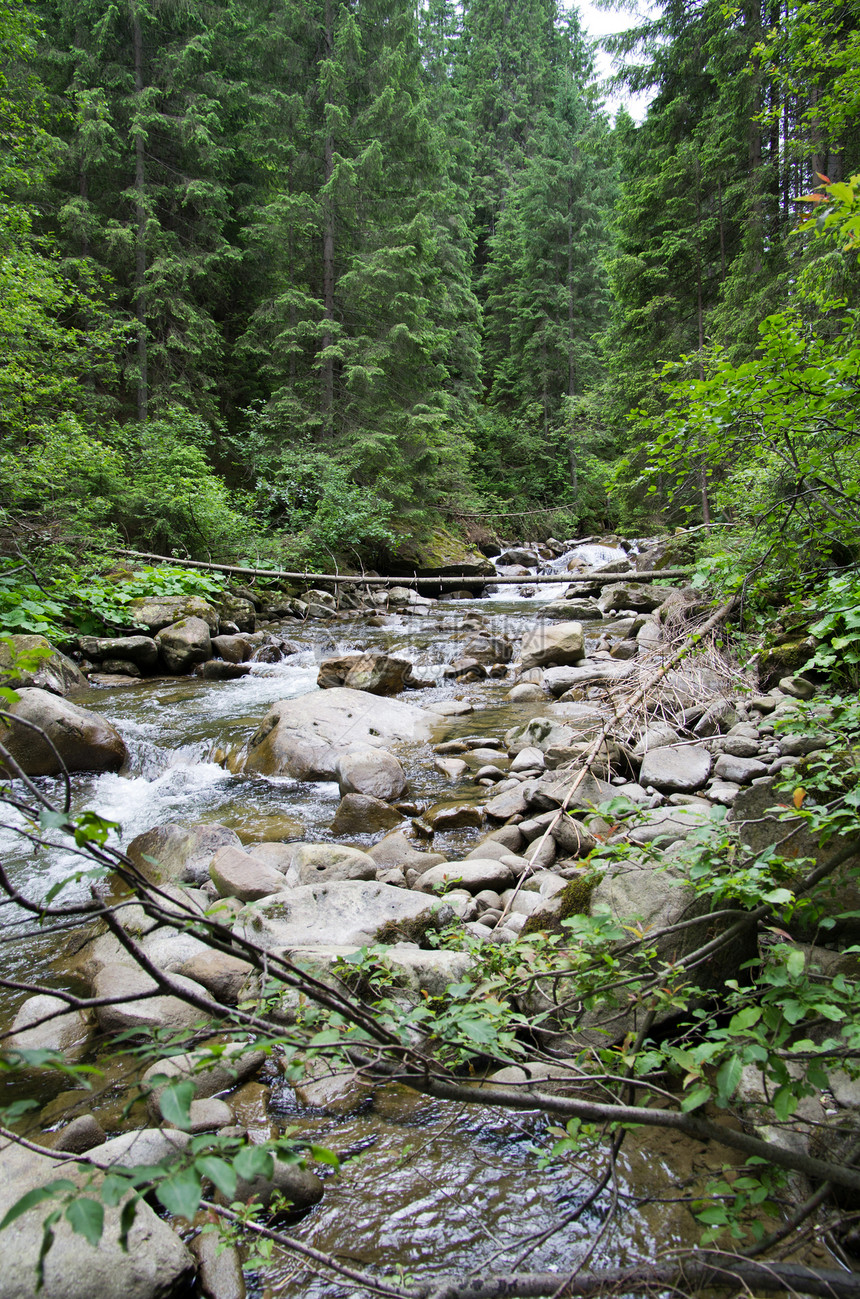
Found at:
(439, 803)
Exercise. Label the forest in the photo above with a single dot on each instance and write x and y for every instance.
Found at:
(285, 282)
(358, 287)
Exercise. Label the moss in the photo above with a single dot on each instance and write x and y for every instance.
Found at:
(575, 901)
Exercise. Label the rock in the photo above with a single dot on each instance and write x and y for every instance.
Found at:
(562, 680)
(438, 553)
(787, 657)
(141, 650)
(227, 978)
(233, 649)
(668, 824)
(684, 768)
(487, 648)
(655, 736)
(210, 1073)
(797, 687)
(219, 670)
(363, 814)
(120, 668)
(641, 597)
(231, 607)
(208, 1115)
(517, 555)
(368, 770)
(512, 802)
(239, 875)
(396, 850)
(573, 838)
(306, 736)
(161, 611)
(762, 814)
(453, 816)
(184, 643)
(526, 690)
(219, 1267)
(739, 746)
(348, 912)
(85, 741)
(155, 1265)
(738, 770)
(326, 863)
(452, 708)
(299, 1187)
(543, 733)
(175, 852)
(374, 671)
(473, 874)
(582, 610)
(453, 768)
(81, 1135)
(144, 1012)
(560, 643)
(529, 758)
(723, 791)
(66, 1031)
(334, 1090)
(32, 662)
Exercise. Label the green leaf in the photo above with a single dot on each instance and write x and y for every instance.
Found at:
(37, 1196)
(325, 1156)
(795, 962)
(87, 1218)
(692, 1100)
(220, 1173)
(181, 1194)
(728, 1077)
(253, 1161)
(126, 1221)
(175, 1103)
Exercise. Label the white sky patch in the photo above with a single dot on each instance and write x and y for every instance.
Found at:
(605, 22)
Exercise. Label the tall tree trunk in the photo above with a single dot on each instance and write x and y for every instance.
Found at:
(327, 370)
(140, 212)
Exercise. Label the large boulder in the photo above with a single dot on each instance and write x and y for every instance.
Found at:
(184, 643)
(371, 771)
(374, 671)
(144, 1011)
(762, 815)
(140, 650)
(236, 609)
(602, 672)
(680, 769)
(85, 741)
(236, 874)
(306, 736)
(641, 597)
(438, 553)
(351, 911)
(560, 643)
(32, 661)
(327, 863)
(362, 814)
(179, 853)
(210, 1072)
(45, 1023)
(155, 612)
(153, 1265)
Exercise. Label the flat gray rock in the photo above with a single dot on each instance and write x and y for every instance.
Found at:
(738, 770)
(561, 642)
(306, 736)
(351, 911)
(680, 769)
(473, 874)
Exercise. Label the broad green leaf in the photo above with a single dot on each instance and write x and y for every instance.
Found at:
(220, 1173)
(181, 1194)
(728, 1077)
(692, 1100)
(175, 1103)
(253, 1161)
(87, 1218)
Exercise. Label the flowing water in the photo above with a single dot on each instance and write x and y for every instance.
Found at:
(426, 1187)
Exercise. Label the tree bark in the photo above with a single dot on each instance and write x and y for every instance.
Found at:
(140, 215)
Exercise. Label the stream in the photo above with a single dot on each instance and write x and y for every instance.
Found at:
(426, 1187)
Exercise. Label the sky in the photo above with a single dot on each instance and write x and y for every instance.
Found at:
(603, 22)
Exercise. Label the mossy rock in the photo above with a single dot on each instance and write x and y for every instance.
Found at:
(574, 900)
(440, 553)
(789, 655)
